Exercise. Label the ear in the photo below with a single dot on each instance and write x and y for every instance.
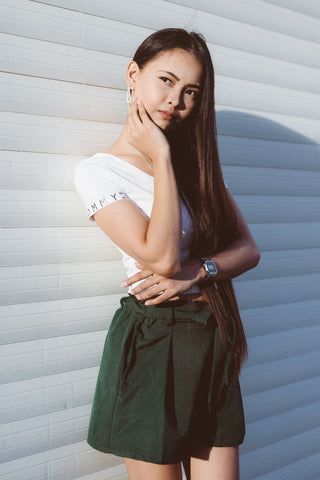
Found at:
(133, 71)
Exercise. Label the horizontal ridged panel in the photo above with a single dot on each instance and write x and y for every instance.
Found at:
(257, 40)
(55, 135)
(52, 393)
(274, 154)
(43, 432)
(28, 170)
(263, 125)
(279, 454)
(276, 236)
(271, 181)
(29, 56)
(64, 87)
(32, 321)
(50, 356)
(38, 96)
(32, 246)
(81, 382)
(44, 59)
(281, 317)
(56, 282)
(280, 427)
(66, 27)
(281, 399)
(262, 377)
(225, 32)
(60, 428)
(42, 171)
(55, 355)
(34, 95)
(308, 7)
(272, 291)
(250, 13)
(281, 345)
(273, 264)
(33, 208)
(41, 395)
(257, 13)
(284, 263)
(37, 171)
(264, 98)
(65, 136)
(45, 245)
(63, 463)
(61, 281)
(307, 468)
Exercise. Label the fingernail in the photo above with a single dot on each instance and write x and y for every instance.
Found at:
(138, 101)
(138, 297)
(124, 284)
(147, 303)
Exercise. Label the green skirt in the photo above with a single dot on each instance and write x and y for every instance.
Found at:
(165, 385)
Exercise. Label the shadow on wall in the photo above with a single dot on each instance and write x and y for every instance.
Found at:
(274, 173)
(241, 124)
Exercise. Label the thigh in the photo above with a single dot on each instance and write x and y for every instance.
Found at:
(139, 470)
(215, 462)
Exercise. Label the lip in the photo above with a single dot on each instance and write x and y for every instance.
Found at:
(166, 114)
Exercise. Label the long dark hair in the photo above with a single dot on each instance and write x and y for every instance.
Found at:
(195, 157)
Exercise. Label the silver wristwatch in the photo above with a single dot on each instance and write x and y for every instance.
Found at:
(211, 270)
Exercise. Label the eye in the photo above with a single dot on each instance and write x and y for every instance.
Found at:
(165, 80)
(192, 93)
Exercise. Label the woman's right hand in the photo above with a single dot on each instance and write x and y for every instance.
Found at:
(155, 288)
(143, 134)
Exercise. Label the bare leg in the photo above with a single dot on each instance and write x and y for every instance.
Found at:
(218, 463)
(139, 470)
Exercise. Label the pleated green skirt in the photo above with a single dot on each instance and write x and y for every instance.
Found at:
(165, 385)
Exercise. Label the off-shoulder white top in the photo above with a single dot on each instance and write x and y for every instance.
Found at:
(104, 179)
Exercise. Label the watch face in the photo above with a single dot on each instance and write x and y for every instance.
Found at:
(210, 268)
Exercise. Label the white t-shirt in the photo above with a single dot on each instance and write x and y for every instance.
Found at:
(104, 179)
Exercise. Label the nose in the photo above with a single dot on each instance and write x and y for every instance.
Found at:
(176, 99)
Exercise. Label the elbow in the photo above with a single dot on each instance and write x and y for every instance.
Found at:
(168, 269)
(255, 256)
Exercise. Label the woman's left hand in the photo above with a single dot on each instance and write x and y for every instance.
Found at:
(156, 289)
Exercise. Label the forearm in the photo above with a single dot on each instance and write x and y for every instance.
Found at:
(240, 256)
(234, 260)
(163, 236)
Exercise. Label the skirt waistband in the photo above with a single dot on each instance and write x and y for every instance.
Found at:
(170, 311)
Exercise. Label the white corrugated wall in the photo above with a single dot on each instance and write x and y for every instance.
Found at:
(62, 99)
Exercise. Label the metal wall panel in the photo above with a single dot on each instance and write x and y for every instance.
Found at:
(310, 7)
(62, 99)
(259, 13)
(39, 96)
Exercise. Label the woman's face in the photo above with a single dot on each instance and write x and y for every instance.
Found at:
(168, 86)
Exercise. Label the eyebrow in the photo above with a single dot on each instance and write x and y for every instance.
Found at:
(196, 85)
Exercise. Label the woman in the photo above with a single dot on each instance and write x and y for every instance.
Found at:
(168, 390)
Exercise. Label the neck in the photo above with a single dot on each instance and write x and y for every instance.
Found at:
(123, 147)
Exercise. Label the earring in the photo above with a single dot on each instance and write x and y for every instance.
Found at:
(129, 97)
